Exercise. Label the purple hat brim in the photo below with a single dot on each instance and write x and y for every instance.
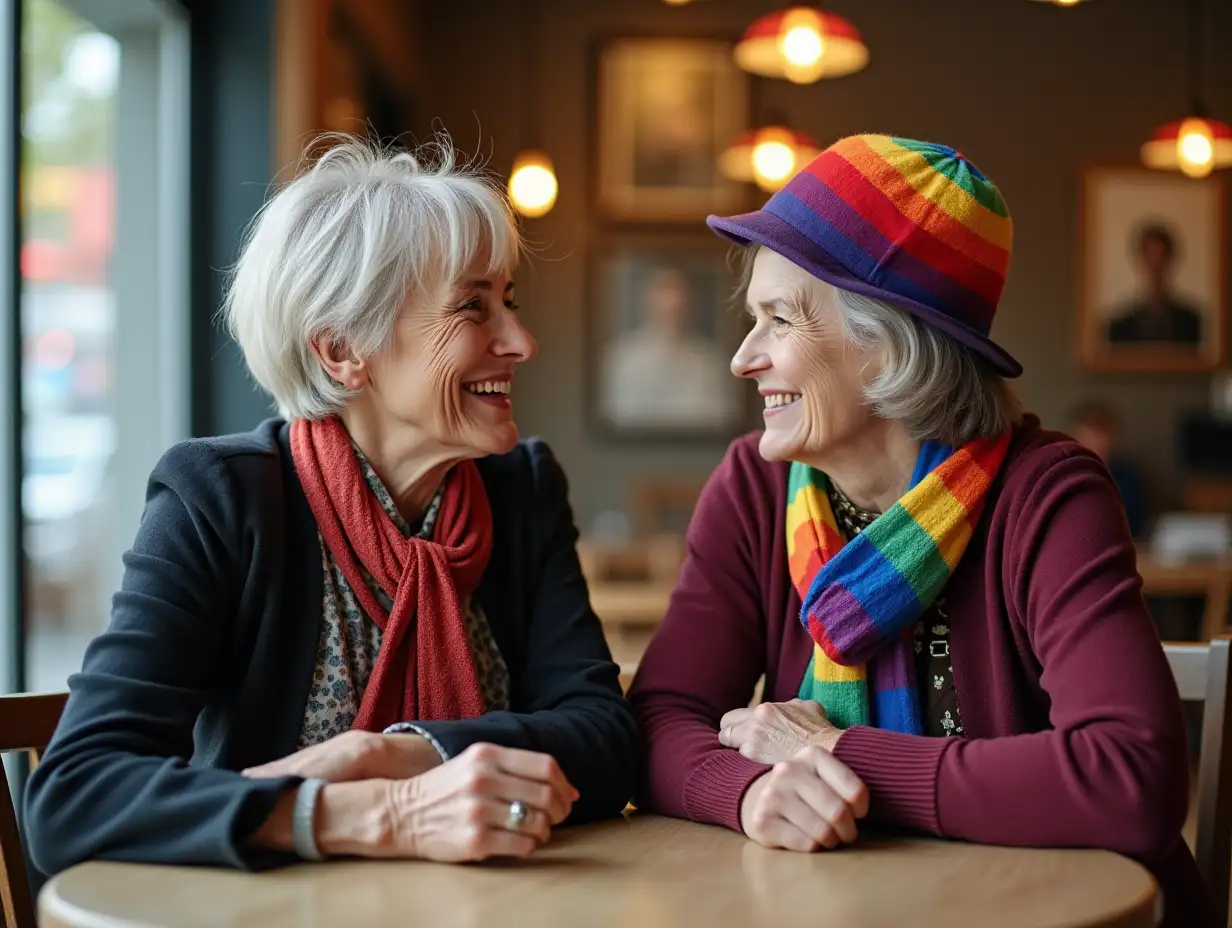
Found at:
(765, 228)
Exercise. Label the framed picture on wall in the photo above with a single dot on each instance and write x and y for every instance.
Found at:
(666, 110)
(1153, 271)
(661, 331)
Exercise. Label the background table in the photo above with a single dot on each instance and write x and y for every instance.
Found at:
(1209, 579)
(646, 871)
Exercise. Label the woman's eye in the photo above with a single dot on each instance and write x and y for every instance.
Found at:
(513, 304)
(780, 322)
(473, 304)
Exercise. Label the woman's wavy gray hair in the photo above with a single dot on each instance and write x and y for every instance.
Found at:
(339, 251)
(937, 388)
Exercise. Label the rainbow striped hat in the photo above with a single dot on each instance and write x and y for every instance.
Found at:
(911, 223)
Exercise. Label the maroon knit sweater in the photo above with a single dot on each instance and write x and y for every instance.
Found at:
(1074, 732)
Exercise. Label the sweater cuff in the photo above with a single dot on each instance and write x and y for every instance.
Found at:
(900, 772)
(715, 790)
(410, 728)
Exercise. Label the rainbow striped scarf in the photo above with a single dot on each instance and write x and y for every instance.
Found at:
(862, 597)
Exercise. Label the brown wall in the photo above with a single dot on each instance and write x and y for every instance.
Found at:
(1030, 92)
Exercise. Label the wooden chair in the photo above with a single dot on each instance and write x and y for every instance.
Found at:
(1207, 495)
(26, 724)
(664, 505)
(1201, 672)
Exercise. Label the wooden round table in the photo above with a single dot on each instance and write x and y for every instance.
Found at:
(645, 870)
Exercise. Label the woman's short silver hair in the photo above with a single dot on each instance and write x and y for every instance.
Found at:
(338, 251)
(933, 384)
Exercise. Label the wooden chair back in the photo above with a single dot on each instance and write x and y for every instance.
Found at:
(664, 505)
(1207, 495)
(27, 722)
(1201, 672)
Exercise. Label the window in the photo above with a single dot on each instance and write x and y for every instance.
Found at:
(103, 300)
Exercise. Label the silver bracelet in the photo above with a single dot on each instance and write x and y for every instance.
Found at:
(304, 819)
(410, 728)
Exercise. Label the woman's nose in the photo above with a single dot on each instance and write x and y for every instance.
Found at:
(749, 360)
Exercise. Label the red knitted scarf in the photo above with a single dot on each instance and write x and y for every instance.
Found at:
(424, 670)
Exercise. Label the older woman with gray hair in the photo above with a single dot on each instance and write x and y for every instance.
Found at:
(360, 629)
(941, 596)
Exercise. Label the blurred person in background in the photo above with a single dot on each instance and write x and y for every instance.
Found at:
(1095, 424)
(361, 628)
(942, 596)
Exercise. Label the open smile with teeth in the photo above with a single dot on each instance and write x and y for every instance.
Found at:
(775, 400)
(485, 387)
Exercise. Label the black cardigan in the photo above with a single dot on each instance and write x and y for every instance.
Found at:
(213, 643)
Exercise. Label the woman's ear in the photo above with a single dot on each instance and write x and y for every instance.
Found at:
(343, 366)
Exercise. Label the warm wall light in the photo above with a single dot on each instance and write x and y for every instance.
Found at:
(1062, 2)
(768, 156)
(532, 184)
(1194, 146)
(801, 44)
(532, 179)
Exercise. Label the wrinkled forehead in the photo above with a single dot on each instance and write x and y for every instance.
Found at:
(773, 277)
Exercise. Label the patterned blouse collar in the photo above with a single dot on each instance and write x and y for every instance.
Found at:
(850, 517)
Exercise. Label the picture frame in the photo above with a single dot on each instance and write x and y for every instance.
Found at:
(666, 108)
(1152, 271)
(661, 329)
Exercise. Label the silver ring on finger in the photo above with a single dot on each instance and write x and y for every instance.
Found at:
(517, 815)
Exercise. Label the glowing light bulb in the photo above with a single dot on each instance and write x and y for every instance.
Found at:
(802, 47)
(675, 2)
(532, 184)
(1195, 148)
(1066, 2)
(773, 162)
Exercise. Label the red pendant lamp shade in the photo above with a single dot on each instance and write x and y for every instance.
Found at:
(802, 44)
(1195, 146)
(768, 156)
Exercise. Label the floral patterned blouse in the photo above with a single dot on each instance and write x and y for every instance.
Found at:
(350, 641)
(934, 669)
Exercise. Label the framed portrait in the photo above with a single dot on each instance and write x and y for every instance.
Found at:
(1153, 296)
(661, 331)
(666, 110)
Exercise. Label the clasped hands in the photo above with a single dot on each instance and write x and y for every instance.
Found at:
(809, 799)
(391, 796)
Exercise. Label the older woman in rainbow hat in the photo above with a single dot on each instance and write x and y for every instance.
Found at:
(941, 595)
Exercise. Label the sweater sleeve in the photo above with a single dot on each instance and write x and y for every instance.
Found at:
(1111, 771)
(568, 701)
(705, 659)
(116, 783)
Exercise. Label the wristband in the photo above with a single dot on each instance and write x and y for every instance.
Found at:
(304, 819)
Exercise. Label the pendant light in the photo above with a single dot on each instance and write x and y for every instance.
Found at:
(802, 44)
(1197, 144)
(532, 180)
(768, 156)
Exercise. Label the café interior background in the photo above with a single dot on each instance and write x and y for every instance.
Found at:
(1038, 95)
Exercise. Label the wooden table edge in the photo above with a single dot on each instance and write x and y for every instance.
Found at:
(1150, 904)
(55, 912)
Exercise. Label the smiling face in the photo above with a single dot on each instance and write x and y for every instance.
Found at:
(809, 374)
(447, 369)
